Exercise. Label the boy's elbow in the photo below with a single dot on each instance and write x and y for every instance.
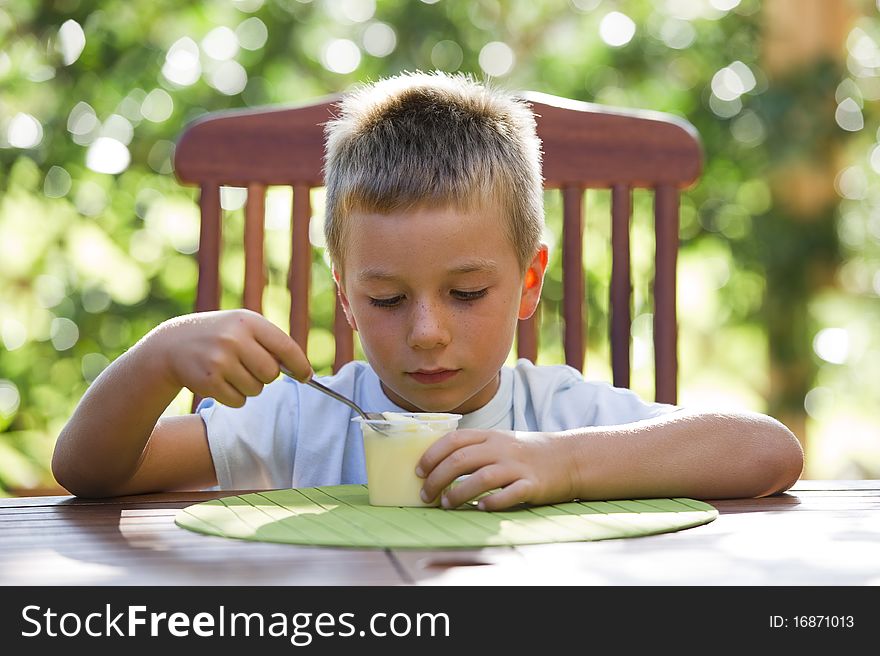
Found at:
(60, 471)
(82, 489)
(784, 458)
(66, 480)
(75, 484)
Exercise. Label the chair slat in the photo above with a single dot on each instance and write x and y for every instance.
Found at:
(300, 266)
(621, 284)
(254, 264)
(573, 311)
(210, 240)
(666, 209)
(210, 236)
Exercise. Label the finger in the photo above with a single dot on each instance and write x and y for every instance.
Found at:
(515, 493)
(485, 479)
(226, 394)
(283, 348)
(444, 447)
(465, 460)
(261, 364)
(242, 380)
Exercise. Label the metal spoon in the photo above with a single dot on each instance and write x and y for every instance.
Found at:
(369, 416)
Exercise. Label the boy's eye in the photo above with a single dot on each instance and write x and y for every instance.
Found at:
(469, 296)
(391, 302)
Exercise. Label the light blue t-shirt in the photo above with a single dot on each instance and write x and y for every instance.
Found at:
(292, 435)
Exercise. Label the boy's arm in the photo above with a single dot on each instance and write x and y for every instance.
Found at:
(707, 455)
(115, 442)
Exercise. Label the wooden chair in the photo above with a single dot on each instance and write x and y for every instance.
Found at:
(586, 146)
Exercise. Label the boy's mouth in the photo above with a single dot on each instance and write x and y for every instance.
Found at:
(432, 376)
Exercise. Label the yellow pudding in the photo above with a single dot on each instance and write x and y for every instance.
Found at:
(391, 458)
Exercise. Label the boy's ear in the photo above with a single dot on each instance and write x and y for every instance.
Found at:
(532, 283)
(343, 300)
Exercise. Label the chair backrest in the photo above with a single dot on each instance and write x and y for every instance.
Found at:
(586, 146)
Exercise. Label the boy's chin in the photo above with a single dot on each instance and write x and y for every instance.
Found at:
(427, 403)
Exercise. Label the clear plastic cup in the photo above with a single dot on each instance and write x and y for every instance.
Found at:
(392, 455)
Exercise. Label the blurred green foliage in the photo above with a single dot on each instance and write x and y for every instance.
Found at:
(97, 239)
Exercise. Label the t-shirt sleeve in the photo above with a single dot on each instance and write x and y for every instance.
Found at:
(558, 397)
(606, 405)
(253, 446)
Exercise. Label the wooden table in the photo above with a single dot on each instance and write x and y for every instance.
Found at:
(820, 533)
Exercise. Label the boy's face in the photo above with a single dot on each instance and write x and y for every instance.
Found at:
(435, 294)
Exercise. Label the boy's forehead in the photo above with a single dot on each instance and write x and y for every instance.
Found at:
(460, 266)
(427, 222)
(485, 212)
(468, 238)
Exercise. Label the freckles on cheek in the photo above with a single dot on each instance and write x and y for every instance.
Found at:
(475, 327)
(377, 330)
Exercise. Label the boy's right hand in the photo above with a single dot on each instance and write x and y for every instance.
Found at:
(227, 355)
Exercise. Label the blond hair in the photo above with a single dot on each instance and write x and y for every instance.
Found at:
(433, 139)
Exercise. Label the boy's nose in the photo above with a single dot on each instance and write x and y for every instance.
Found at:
(428, 327)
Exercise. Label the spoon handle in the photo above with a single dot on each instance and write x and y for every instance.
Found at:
(337, 396)
(369, 416)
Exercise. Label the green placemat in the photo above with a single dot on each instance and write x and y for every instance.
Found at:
(341, 516)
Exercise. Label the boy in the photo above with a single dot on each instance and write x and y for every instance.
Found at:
(433, 224)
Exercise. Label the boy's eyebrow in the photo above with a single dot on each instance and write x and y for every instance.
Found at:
(375, 274)
(477, 264)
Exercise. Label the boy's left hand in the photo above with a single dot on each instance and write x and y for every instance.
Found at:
(527, 467)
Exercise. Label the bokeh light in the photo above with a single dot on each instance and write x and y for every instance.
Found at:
(832, 345)
(57, 182)
(447, 55)
(617, 29)
(71, 41)
(351, 11)
(221, 43)
(9, 398)
(252, 33)
(732, 81)
(107, 155)
(13, 333)
(228, 77)
(182, 66)
(496, 58)
(849, 115)
(64, 333)
(341, 56)
(379, 39)
(24, 131)
(157, 106)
